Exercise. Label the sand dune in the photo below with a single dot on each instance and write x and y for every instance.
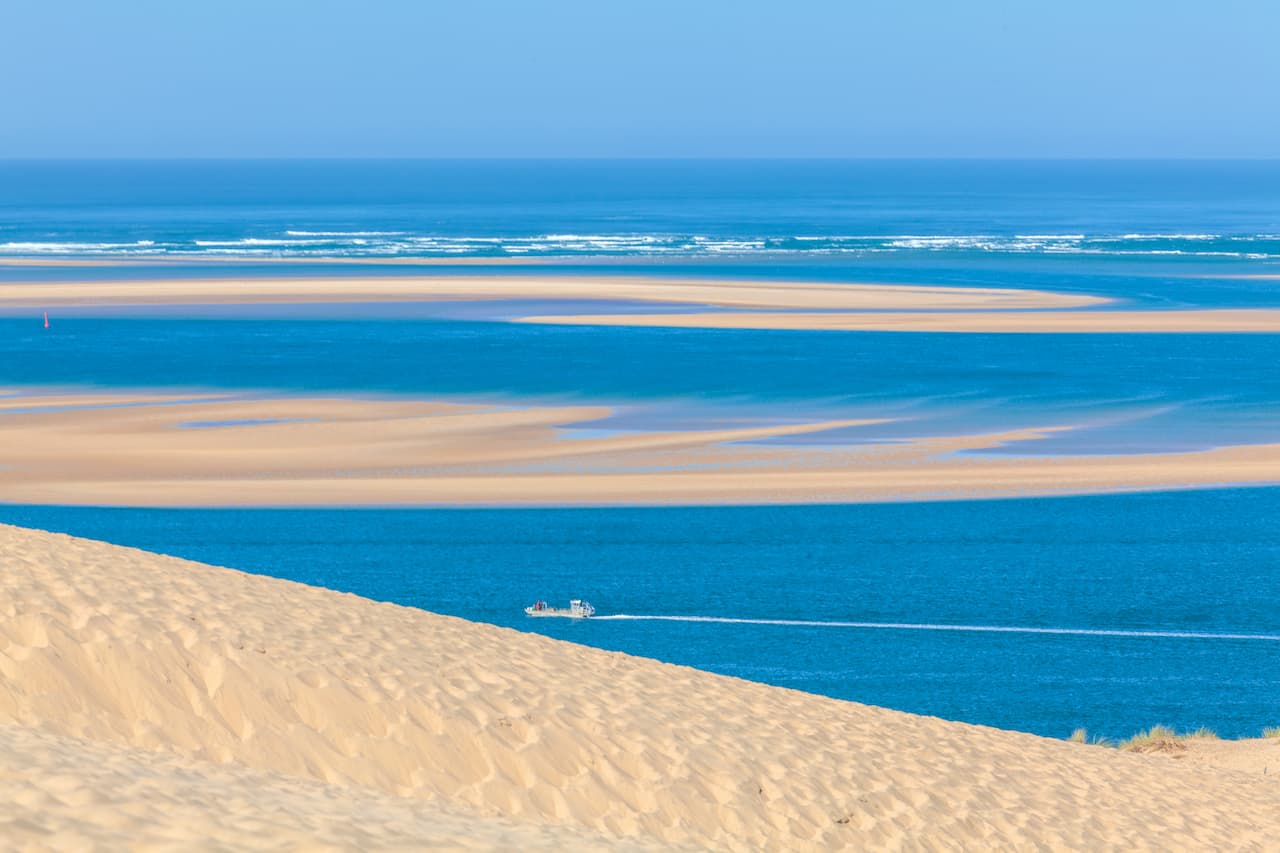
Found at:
(248, 691)
(223, 450)
(64, 793)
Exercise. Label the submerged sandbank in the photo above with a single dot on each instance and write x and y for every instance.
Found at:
(245, 692)
(223, 450)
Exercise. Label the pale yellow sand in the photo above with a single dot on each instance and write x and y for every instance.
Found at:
(280, 684)
(1256, 756)
(732, 294)
(65, 793)
(747, 304)
(334, 451)
(1060, 322)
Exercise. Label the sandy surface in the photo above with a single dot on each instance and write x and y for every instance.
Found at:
(1255, 756)
(143, 695)
(65, 793)
(740, 304)
(1059, 322)
(729, 294)
(146, 450)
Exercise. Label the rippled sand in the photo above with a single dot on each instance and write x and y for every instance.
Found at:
(146, 697)
(66, 793)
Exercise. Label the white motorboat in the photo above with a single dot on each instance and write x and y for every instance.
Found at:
(577, 609)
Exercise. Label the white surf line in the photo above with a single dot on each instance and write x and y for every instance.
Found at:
(979, 629)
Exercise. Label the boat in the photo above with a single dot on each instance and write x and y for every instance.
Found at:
(577, 609)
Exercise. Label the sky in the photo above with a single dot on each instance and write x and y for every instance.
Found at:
(620, 78)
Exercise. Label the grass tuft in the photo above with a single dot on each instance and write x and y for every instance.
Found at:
(1154, 739)
(1165, 739)
(1271, 731)
(1081, 735)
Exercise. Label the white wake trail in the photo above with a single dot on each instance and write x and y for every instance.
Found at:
(925, 626)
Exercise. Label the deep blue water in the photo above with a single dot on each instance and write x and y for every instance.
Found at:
(1117, 209)
(1184, 562)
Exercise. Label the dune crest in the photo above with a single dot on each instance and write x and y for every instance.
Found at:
(135, 650)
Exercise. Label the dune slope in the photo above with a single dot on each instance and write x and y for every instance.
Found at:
(130, 649)
(65, 793)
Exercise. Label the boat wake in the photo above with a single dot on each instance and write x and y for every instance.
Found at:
(925, 626)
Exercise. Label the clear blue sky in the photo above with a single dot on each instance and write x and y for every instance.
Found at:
(568, 78)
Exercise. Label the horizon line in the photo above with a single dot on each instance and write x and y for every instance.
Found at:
(642, 157)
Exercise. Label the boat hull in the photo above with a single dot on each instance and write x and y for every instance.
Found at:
(577, 609)
(548, 612)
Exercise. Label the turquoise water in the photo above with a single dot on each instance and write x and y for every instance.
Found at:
(1125, 392)
(1197, 563)
(1139, 569)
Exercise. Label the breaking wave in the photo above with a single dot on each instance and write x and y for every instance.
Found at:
(394, 243)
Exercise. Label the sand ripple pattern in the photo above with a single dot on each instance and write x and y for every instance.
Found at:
(134, 650)
(64, 793)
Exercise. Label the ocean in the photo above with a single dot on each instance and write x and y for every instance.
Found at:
(1155, 574)
(877, 213)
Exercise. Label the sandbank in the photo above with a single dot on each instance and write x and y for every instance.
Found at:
(149, 698)
(989, 322)
(372, 289)
(806, 306)
(331, 451)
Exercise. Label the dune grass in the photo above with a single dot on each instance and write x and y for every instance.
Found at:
(1165, 739)
(1158, 738)
(1081, 735)
(1203, 733)
(1154, 739)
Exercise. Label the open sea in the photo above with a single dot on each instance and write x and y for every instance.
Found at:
(1110, 612)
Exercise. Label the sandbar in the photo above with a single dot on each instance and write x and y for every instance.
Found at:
(373, 289)
(225, 450)
(706, 303)
(1206, 320)
(147, 699)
